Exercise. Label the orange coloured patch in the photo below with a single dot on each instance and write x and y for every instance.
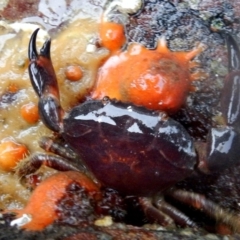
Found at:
(156, 79)
(29, 113)
(13, 88)
(73, 73)
(112, 35)
(10, 154)
(42, 203)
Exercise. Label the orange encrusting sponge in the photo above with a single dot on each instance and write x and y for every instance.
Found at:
(156, 79)
(10, 154)
(42, 203)
(112, 35)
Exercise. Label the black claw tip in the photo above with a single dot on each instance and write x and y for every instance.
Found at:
(45, 50)
(32, 50)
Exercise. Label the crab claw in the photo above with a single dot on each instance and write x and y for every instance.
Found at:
(44, 82)
(233, 53)
(223, 142)
(230, 101)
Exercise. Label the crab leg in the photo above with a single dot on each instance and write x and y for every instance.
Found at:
(153, 213)
(59, 148)
(179, 217)
(44, 82)
(165, 214)
(52, 161)
(57, 162)
(198, 201)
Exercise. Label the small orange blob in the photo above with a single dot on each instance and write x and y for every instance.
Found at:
(73, 73)
(29, 113)
(13, 88)
(156, 79)
(42, 204)
(10, 154)
(112, 35)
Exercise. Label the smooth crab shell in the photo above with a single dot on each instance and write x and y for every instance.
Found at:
(128, 148)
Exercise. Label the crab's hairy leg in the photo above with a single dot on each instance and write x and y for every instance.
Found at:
(179, 217)
(44, 82)
(198, 201)
(163, 213)
(59, 148)
(58, 162)
(52, 161)
(155, 214)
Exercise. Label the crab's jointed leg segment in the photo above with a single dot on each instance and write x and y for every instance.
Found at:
(198, 201)
(164, 213)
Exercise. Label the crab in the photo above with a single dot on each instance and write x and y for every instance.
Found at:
(127, 141)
